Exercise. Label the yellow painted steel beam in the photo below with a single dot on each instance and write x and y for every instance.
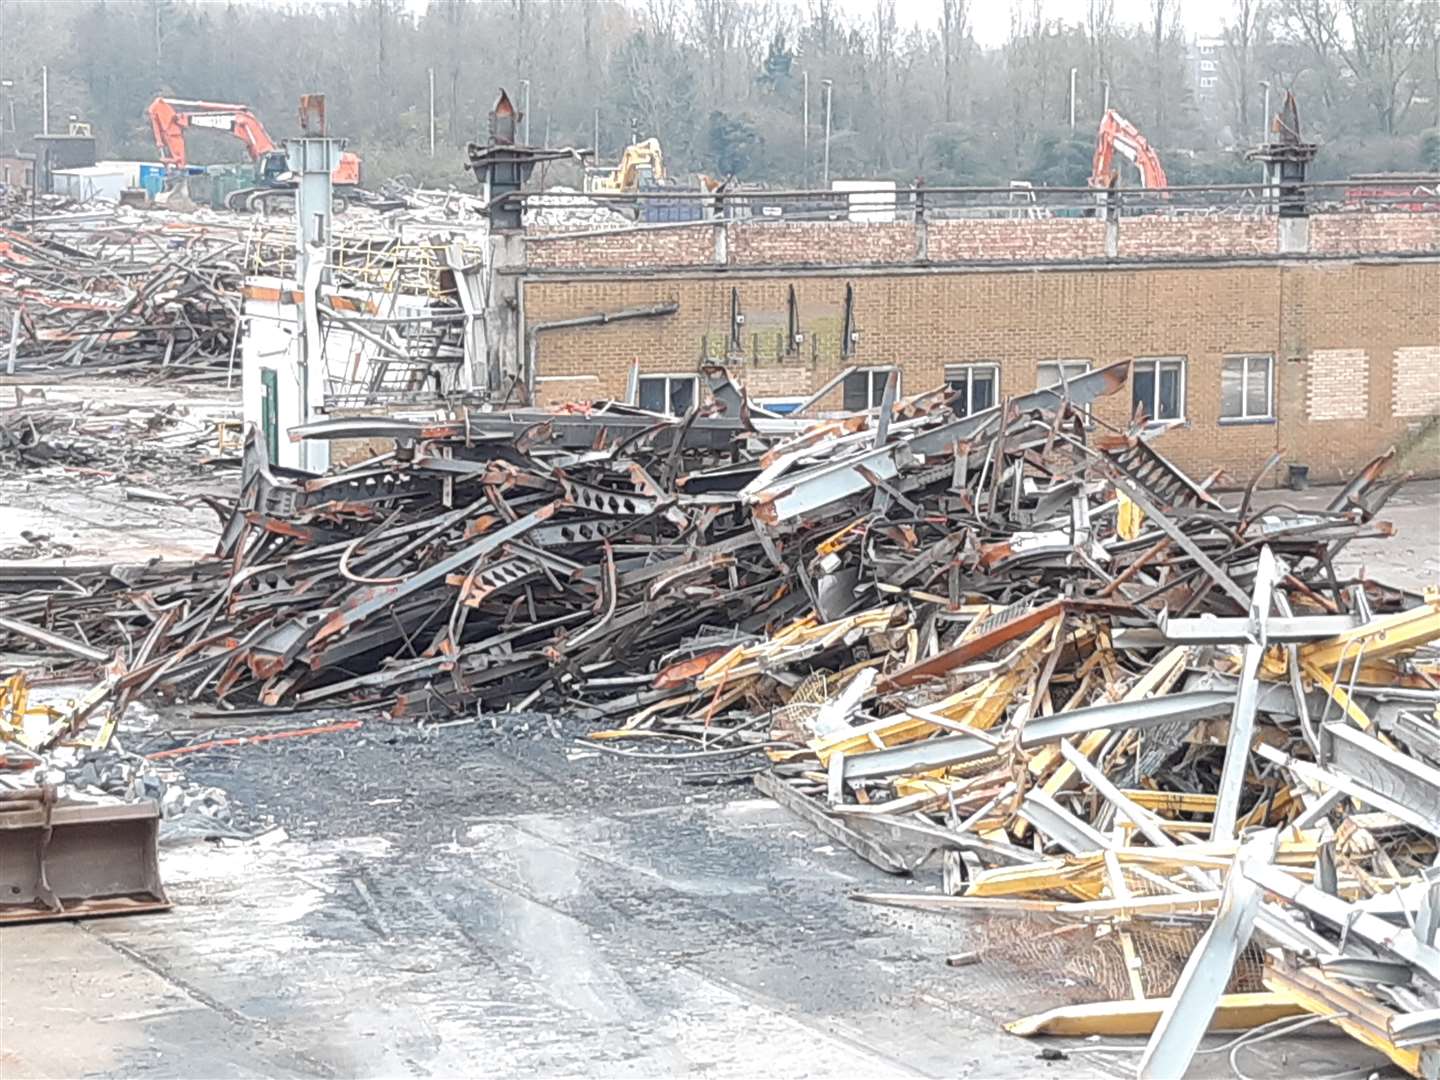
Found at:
(1236, 1012)
(1172, 802)
(1379, 638)
(1359, 1015)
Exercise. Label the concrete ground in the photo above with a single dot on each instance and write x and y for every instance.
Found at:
(477, 904)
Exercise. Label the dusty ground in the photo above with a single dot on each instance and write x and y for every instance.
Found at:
(86, 516)
(469, 902)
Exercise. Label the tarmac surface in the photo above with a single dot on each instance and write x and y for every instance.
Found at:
(466, 902)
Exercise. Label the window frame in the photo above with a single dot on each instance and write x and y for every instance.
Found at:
(966, 373)
(1153, 409)
(873, 394)
(669, 377)
(1245, 360)
(1060, 364)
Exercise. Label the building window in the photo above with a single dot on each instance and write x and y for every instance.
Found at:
(1246, 388)
(974, 386)
(865, 389)
(1158, 387)
(1207, 65)
(1207, 82)
(670, 394)
(1207, 49)
(1054, 371)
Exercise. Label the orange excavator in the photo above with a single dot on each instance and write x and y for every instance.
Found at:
(171, 118)
(1117, 133)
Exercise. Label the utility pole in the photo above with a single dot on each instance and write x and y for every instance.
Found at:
(432, 111)
(595, 143)
(525, 116)
(805, 177)
(44, 99)
(829, 92)
(5, 87)
(1072, 97)
(1265, 116)
(1106, 83)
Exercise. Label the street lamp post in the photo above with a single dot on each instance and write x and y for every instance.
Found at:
(829, 92)
(525, 118)
(1073, 72)
(805, 120)
(1265, 116)
(5, 85)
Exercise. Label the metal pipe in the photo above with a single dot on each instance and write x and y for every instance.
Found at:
(602, 318)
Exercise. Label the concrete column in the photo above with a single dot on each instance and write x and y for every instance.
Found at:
(1111, 203)
(722, 242)
(504, 324)
(1294, 235)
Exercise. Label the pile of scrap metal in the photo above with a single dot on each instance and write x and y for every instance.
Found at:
(90, 438)
(1109, 700)
(119, 290)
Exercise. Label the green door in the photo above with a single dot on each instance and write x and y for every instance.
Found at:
(270, 412)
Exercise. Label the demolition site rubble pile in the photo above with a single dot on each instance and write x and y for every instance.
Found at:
(40, 438)
(1135, 732)
(101, 289)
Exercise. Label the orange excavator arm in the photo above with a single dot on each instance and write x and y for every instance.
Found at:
(1117, 133)
(170, 118)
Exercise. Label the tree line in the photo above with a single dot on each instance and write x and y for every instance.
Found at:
(723, 83)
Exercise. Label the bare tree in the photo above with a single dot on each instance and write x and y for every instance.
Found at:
(1387, 42)
(1100, 34)
(1315, 24)
(954, 25)
(714, 25)
(1164, 29)
(1239, 59)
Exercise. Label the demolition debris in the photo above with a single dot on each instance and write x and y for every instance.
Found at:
(1143, 734)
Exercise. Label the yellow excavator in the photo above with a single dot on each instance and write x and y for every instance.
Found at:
(641, 163)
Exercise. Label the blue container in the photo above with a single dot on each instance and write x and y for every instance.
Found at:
(152, 179)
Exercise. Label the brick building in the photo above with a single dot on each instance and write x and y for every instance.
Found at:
(1248, 338)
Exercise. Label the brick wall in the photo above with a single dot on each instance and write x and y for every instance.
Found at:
(1292, 312)
(1370, 233)
(1416, 390)
(977, 240)
(1193, 236)
(762, 243)
(1336, 383)
(1041, 240)
(689, 246)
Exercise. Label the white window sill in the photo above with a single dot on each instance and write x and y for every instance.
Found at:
(1243, 421)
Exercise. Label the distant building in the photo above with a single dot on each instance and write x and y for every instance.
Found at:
(1203, 58)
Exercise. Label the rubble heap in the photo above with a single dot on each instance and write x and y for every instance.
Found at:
(1158, 723)
(100, 290)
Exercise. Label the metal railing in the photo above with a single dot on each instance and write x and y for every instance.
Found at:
(1410, 194)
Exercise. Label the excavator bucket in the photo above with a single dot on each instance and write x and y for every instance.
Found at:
(69, 860)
